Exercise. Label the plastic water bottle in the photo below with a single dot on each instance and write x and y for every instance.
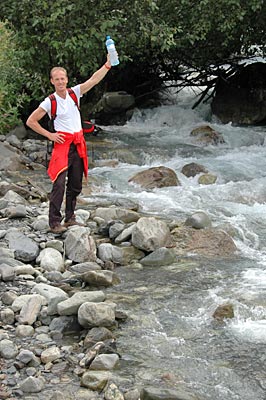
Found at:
(110, 45)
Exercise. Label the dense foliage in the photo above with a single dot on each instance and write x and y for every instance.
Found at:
(158, 41)
(12, 77)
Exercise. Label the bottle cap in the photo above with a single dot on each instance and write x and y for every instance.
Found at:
(108, 37)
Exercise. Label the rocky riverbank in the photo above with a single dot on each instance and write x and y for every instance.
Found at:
(58, 322)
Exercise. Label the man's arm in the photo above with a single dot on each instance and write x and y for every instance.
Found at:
(95, 78)
(33, 123)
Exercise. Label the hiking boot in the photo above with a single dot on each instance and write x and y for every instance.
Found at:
(71, 222)
(58, 229)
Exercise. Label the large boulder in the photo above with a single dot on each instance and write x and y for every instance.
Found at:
(241, 99)
(10, 158)
(206, 135)
(208, 242)
(155, 177)
(114, 107)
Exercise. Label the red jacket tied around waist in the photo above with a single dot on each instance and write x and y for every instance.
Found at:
(59, 159)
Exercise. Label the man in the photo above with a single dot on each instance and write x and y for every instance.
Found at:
(69, 156)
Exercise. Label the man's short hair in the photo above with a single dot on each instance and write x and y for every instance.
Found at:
(57, 69)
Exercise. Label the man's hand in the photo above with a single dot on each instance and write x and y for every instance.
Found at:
(57, 137)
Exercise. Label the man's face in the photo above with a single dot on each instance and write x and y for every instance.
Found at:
(59, 80)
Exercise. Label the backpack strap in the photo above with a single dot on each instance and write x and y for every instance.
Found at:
(73, 96)
(53, 106)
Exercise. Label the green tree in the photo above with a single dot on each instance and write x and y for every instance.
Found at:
(158, 41)
(12, 96)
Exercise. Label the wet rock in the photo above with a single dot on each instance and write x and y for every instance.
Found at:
(208, 242)
(97, 334)
(113, 393)
(101, 278)
(132, 395)
(165, 394)
(199, 220)
(150, 234)
(193, 169)
(81, 268)
(104, 362)
(95, 380)
(205, 134)
(159, 257)
(155, 177)
(119, 255)
(224, 311)
(207, 179)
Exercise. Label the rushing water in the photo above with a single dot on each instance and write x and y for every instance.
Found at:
(171, 339)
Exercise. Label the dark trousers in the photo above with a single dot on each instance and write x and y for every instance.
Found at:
(74, 175)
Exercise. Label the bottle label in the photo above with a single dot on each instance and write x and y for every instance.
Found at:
(111, 47)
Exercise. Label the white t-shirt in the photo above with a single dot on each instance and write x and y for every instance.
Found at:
(67, 113)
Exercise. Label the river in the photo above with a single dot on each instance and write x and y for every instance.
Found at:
(171, 339)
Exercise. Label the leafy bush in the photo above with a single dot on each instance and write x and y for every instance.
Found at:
(11, 80)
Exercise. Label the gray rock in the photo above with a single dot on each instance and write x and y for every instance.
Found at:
(113, 393)
(101, 278)
(18, 211)
(71, 305)
(104, 362)
(165, 394)
(7, 316)
(32, 384)
(52, 294)
(116, 213)
(159, 257)
(7, 273)
(79, 245)
(23, 331)
(8, 349)
(51, 259)
(96, 314)
(119, 255)
(95, 380)
(199, 220)
(30, 310)
(150, 234)
(25, 249)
